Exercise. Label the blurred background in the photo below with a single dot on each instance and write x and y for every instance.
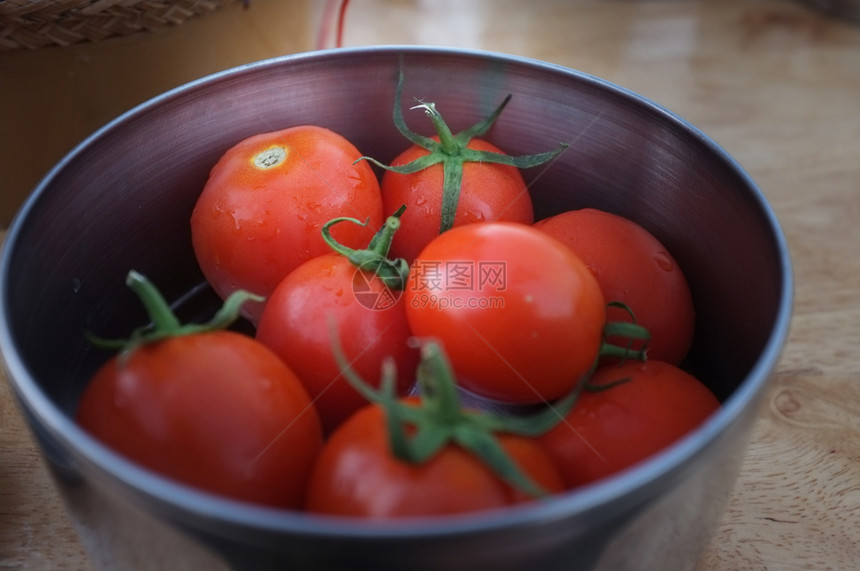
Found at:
(52, 96)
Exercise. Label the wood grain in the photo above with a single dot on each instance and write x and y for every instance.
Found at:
(777, 84)
(35, 532)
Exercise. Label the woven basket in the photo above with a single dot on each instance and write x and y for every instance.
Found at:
(34, 24)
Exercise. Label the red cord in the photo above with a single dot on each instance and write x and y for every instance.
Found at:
(328, 18)
(340, 22)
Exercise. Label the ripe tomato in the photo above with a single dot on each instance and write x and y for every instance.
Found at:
(520, 316)
(614, 428)
(632, 267)
(261, 210)
(452, 179)
(371, 324)
(215, 410)
(488, 191)
(357, 475)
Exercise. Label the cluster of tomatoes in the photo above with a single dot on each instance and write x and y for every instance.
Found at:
(379, 304)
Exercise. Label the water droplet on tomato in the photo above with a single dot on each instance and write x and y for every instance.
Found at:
(663, 261)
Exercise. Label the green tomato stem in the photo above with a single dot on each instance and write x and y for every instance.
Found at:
(631, 331)
(486, 447)
(451, 150)
(157, 308)
(439, 418)
(435, 380)
(452, 181)
(163, 321)
(448, 143)
(374, 258)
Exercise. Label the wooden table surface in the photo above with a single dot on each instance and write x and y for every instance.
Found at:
(776, 83)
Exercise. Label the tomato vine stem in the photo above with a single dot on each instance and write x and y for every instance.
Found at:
(163, 321)
(374, 258)
(438, 418)
(629, 330)
(451, 150)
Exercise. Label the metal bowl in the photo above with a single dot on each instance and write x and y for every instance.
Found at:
(122, 200)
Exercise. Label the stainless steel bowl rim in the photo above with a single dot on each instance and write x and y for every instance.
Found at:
(203, 507)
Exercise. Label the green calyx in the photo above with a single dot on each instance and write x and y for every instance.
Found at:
(439, 419)
(374, 258)
(452, 152)
(164, 323)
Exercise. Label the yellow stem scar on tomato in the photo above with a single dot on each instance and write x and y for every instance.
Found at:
(271, 157)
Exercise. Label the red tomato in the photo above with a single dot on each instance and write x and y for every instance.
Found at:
(357, 475)
(488, 191)
(614, 428)
(632, 267)
(216, 410)
(520, 316)
(260, 213)
(371, 324)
